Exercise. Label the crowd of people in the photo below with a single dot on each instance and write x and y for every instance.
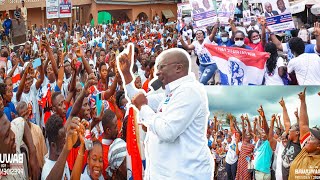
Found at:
(63, 101)
(282, 149)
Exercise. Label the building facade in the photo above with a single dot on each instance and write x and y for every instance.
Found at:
(90, 11)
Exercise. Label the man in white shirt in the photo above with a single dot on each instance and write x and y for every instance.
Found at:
(176, 145)
(55, 166)
(306, 66)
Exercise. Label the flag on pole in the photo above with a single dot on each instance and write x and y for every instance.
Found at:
(239, 66)
(134, 162)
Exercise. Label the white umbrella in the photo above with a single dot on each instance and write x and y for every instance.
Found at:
(298, 7)
(312, 2)
(315, 9)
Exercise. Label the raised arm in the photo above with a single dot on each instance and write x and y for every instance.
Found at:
(265, 126)
(273, 142)
(232, 127)
(77, 168)
(215, 123)
(84, 61)
(275, 40)
(303, 119)
(286, 119)
(12, 70)
(316, 32)
(41, 71)
(71, 138)
(249, 124)
(296, 114)
(84, 93)
(243, 128)
(263, 32)
(124, 64)
(61, 71)
(214, 31)
(184, 44)
(46, 45)
(23, 82)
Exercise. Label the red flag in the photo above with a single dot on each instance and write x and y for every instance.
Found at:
(133, 148)
(16, 78)
(46, 105)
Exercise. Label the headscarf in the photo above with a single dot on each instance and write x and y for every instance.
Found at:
(116, 155)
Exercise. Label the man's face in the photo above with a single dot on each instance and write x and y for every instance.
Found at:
(85, 109)
(293, 132)
(59, 106)
(102, 56)
(313, 144)
(206, 3)
(281, 5)
(61, 141)
(67, 67)
(113, 128)
(7, 137)
(268, 7)
(166, 70)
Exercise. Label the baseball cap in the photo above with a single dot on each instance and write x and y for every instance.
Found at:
(315, 131)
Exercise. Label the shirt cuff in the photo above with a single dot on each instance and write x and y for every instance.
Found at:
(315, 50)
(146, 115)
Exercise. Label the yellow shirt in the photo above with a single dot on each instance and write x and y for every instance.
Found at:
(305, 166)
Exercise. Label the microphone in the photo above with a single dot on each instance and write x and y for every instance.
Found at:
(157, 84)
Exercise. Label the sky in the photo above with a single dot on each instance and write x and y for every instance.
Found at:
(241, 100)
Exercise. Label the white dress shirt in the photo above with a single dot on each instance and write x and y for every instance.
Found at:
(176, 145)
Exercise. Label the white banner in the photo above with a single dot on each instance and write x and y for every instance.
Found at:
(52, 9)
(65, 9)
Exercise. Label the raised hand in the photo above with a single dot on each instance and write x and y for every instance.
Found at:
(281, 102)
(302, 95)
(316, 30)
(73, 129)
(260, 111)
(296, 113)
(319, 93)
(139, 100)
(273, 117)
(125, 61)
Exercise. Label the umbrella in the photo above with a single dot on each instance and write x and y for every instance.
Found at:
(315, 9)
(298, 7)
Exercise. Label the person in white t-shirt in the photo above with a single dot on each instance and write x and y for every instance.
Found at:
(275, 67)
(233, 152)
(306, 66)
(28, 89)
(207, 67)
(55, 166)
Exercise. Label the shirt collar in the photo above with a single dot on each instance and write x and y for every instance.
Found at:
(174, 84)
(106, 141)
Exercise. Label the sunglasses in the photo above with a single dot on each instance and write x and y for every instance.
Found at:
(238, 39)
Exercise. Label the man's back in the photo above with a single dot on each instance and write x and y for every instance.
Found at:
(307, 68)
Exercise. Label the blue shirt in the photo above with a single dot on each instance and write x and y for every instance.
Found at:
(308, 48)
(7, 24)
(229, 43)
(8, 109)
(262, 160)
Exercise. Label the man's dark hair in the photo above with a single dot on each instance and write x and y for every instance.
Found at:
(121, 49)
(54, 96)
(107, 118)
(296, 45)
(3, 88)
(124, 128)
(53, 125)
(238, 31)
(102, 64)
(119, 94)
(135, 68)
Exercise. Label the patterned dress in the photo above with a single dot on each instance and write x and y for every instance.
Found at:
(242, 170)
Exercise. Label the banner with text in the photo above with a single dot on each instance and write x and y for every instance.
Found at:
(65, 9)
(278, 15)
(52, 9)
(226, 11)
(203, 13)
